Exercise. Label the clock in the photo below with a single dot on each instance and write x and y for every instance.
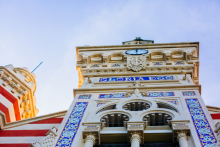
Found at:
(136, 52)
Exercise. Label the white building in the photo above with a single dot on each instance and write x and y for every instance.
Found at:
(136, 94)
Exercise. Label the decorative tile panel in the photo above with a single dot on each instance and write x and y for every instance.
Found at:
(71, 127)
(94, 66)
(100, 104)
(157, 63)
(189, 93)
(179, 63)
(115, 95)
(159, 94)
(202, 126)
(116, 79)
(173, 102)
(116, 65)
(85, 96)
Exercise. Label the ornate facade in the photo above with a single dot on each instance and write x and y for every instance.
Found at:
(141, 100)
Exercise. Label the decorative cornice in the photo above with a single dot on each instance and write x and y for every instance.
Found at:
(131, 89)
(96, 72)
(134, 46)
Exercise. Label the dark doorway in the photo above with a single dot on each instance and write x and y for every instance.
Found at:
(147, 144)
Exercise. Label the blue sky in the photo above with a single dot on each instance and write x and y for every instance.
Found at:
(48, 31)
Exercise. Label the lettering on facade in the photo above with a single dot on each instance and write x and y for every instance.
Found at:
(118, 79)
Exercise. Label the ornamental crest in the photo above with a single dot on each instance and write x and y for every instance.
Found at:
(136, 62)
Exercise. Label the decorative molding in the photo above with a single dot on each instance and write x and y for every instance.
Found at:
(71, 127)
(202, 126)
(143, 94)
(189, 93)
(95, 66)
(99, 104)
(157, 63)
(136, 62)
(173, 102)
(9, 81)
(136, 84)
(149, 78)
(179, 63)
(159, 94)
(180, 127)
(116, 65)
(85, 96)
(149, 70)
(115, 95)
(135, 127)
(48, 141)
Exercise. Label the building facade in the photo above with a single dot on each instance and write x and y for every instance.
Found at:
(138, 94)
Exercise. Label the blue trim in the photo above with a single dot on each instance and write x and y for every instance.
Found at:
(203, 129)
(72, 125)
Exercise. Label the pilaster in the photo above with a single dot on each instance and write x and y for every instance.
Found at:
(181, 131)
(91, 134)
(136, 132)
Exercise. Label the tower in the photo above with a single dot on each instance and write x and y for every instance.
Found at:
(17, 89)
(139, 93)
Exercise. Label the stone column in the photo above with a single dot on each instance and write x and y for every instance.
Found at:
(135, 140)
(89, 141)
(182, 139)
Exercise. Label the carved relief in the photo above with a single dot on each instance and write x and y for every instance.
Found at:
(48, 141)
(136, 62)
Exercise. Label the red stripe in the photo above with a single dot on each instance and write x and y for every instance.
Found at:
(6, 112)
(15, 145)
(13, 100)
(7, 95)
(49, 121)
(17, 113)
(21, 133)
(215, 116)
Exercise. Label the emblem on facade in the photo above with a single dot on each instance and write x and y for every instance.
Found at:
(136, 62)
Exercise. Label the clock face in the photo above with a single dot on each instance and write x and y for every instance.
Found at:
(136, 52)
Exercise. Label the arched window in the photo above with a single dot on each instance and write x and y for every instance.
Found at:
(157, 119)
(136, 106)
(114, 120)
